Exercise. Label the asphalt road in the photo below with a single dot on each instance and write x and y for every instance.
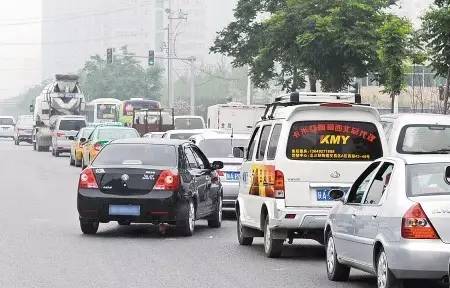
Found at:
(41, 244)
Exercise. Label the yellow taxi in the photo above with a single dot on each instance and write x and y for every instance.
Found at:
(100, 137)
(76, 149)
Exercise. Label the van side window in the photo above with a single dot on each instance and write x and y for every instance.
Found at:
(251, 146)
(263, 142)
(272, 149)
(361, 185)
(379, 184)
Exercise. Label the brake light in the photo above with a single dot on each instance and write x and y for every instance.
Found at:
(168, 181)
(416, 225)
(220, 173)
(87, 180)
(60, 134)
(336, 105)
(279, 184)
(98, 146)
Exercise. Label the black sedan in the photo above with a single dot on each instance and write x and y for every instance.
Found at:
(156, 181)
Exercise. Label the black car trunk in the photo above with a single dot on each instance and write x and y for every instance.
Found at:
(126, 181)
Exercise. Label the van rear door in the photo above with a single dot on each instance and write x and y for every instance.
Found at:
(327, 154)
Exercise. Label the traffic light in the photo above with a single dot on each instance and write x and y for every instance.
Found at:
(109, 55)
(151, 58)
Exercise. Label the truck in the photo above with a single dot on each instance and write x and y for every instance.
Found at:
(234, 116)
(62, 97)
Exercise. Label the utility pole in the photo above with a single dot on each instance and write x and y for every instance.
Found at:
(249, 88)
(192, 85)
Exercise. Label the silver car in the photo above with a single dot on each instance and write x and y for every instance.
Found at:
(394, 222)
(219, 147)
(64, 128)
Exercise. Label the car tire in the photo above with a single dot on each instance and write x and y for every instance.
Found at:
(335, 270)
(77, 163)
(185, 224)
(244, 241)
(34, 146)
(71, 161)
(16, 142)
(89, 227)
(385, 278)
(272, 247)
(216, 219)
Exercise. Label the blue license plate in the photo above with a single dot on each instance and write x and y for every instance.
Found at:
(232, 176)
(124, 210)
(323, 194)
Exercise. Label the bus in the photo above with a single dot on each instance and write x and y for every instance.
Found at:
(128, 106)
(103, 110)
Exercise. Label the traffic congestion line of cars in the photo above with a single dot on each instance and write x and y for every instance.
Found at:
(374, 190)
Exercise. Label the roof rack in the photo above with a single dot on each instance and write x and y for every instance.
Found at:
(304, 98)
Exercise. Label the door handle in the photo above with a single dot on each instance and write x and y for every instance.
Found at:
(374, 216)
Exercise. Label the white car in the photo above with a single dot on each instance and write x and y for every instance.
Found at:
(417, 133)
(7, 125)
(219, 147)
(394, 222)
(185, 134)
(65, 128)
(297, 155)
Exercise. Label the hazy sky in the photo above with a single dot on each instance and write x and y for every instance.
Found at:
(19, 45)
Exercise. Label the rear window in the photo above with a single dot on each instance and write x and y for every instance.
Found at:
(26, 122)
(6, 121)
(424, 139)
(137, 154)
(72, 125)
(220, 148)
(334, 141)
(428, 179)
(115, 133)
(189, 123)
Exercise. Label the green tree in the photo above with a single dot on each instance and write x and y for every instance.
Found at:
(124, 79)
(289, 40)
(436, 32)
(393, 49)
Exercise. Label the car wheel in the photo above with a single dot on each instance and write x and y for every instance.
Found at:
(335, 270)
(89, 227)
(186, 219)
(16, 142)
(77, 163)
(71, 161)
(34, 146)
(272, 247)
(385, 278)
(216, 219)
(244, 241)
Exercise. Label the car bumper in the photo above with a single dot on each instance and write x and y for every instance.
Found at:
(230, 194)
(419, 259)
(63, 146)
(298, 218)
(24, 137)
(155, 207)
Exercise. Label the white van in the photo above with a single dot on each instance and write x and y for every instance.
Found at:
(298, 153)
(417, 134)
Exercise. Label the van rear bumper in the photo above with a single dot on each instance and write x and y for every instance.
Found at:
(299, 218)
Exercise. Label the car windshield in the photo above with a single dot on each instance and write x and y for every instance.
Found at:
(86, 132)
(189, 123)
(428, 179)
(26, 122)
(424, 139)
(71, 125)
(220, 148)
(106, 111)
(138, 154)
(334, 141)
(182, 136)
(115, 133)
(6, 121)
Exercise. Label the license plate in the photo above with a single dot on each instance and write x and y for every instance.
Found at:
(323, 194)
(232, 176)
(124, 210)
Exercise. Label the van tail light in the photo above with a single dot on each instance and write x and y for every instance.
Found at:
(60, 134)
(168, 181)
(98, 146)
(87, 180)
(416, 225)
(279, 184)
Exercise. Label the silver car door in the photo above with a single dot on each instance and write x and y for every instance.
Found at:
(344, 228)
(366, 220)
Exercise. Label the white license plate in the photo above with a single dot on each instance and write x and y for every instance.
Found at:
(124, 210)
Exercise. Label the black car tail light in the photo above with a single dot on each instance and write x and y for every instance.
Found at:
(87, 180)
(168, 181)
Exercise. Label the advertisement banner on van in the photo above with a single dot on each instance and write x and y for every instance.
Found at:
(263, 180)
(334, 141)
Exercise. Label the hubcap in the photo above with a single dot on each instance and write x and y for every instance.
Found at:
(382, 271)
(330, 255)
(191, 216)
(267, 237)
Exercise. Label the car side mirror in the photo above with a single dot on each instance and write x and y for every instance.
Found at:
(238, 152)
(217, 165)
(71, 138)
(337, 194)
(83, 140)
